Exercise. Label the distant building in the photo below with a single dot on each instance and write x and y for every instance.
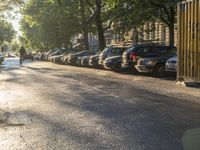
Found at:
(155, 32)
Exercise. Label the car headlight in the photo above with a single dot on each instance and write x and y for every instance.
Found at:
(147, 62)
(150, 62)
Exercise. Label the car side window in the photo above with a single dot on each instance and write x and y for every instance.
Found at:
(117, 51)
(163, 50)
(155, 49)
(172, 52)
(142, 50)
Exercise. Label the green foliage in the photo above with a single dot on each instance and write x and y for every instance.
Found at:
(7, 32)
(14, 46)
(53, 23)
(48, 24)
(6, 5)
(134, 13)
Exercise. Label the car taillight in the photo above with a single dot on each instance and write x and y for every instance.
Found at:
(133, 56)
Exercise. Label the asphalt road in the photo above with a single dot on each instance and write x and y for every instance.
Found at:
(48, 106)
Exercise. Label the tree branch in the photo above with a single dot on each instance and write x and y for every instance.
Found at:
(161, 7)
(90, 4)
(109, 25)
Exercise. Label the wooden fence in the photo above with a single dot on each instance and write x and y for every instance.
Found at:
(188, 68)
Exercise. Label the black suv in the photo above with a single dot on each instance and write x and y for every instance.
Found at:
(155, 65)
(133, 54)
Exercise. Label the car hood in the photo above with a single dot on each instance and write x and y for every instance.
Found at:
(114, 58)
(172, 59)
(94, 56)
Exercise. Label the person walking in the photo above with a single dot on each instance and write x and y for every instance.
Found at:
(22, 52)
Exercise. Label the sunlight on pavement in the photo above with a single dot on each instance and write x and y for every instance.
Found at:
(10, 63)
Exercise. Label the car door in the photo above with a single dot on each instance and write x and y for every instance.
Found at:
(155, 51)
(144, 51)
(168, 53)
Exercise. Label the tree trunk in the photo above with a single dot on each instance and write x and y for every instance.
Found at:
(171, 35)
(99, 25)
(84, 25)
(171, 27)
(101, 38)
(135, 36)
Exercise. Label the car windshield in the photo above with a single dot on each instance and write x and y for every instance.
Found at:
(133, 48)
(117, 50)
(104, 52)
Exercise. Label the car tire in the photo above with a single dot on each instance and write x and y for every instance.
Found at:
(159, 70)
(118, 67)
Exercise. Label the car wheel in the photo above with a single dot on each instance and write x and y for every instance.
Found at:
(118, 67)
(159, 70)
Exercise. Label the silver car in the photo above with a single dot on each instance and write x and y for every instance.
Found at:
(171, 65)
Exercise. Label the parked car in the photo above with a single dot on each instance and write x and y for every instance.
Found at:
(171, 65)
(46, 55)
(85, 60)
(156, 64)
(1, 58)
(66, 57)
(94, 60)
(28, 56)
(58, 52)
(113, 63)
(40, 56)
(109, 52)
(57, 58)
(10, 55)
(79, 60)
(133, 54)
(74, 57)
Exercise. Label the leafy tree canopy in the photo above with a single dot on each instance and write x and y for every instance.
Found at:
(7, 32)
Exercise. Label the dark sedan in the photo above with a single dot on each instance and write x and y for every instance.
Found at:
(155, 65)
(65, 58)
(58, 58)
(133, 54)
(94, 61)
(47, 54)
(58, 52)
(74, 57)
(113, 63)
(79, 60)
(28, 56)
(85, 60)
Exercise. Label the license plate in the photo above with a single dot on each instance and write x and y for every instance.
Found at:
(171, 67)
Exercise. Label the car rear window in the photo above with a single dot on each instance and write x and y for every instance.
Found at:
(105, 51)
(117, 51)
(166, 50)
(132, 49)
(145, 49)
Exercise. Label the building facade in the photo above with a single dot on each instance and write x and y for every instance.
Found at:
(155, 32)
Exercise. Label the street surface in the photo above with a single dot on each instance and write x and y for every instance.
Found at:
(48, 106)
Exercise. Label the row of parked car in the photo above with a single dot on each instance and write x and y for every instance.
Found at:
(145, 58)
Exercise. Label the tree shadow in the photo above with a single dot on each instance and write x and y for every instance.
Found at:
(158, 121)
